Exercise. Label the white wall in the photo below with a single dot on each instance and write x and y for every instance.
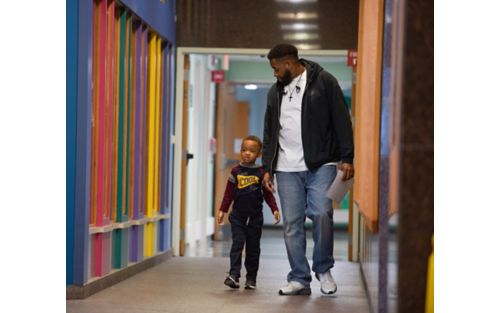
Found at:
(199, 193)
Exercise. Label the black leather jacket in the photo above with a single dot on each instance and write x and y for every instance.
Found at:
(326, 124)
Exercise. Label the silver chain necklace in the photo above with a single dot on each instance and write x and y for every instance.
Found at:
(296, 88)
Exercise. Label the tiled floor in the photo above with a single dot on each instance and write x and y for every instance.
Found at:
(194, 284)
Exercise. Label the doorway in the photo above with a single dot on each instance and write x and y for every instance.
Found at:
(208, 136)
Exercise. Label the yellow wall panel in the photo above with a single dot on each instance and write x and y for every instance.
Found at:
(151, 124)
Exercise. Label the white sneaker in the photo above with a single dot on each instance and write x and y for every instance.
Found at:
(328, 285)
(295, 288)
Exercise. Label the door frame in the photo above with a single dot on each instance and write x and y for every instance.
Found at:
(179, 109)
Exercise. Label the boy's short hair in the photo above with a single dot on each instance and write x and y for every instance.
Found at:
(253, 138)
(283, 50)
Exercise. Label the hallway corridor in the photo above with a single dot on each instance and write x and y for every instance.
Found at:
(195, 284)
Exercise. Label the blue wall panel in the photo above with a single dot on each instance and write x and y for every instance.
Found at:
(71, 92)
(82, 184)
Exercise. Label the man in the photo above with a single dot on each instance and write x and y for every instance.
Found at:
(307, 135)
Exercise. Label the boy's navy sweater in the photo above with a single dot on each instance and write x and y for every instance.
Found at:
(244, 187)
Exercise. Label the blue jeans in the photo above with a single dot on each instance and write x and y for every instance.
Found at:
(303, 194)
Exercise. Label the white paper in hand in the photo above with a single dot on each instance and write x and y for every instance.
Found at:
(339, 188)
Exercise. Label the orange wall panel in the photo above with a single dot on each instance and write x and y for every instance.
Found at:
(367, 122)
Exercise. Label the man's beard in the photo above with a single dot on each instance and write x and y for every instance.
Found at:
(287, 78)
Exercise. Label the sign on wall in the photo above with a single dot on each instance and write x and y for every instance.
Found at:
(218, 76)
(352, 58)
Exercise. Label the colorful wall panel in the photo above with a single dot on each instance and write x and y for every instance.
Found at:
(123, 137)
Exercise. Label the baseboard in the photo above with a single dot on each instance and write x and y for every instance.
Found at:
(116, 276)
(365, 285)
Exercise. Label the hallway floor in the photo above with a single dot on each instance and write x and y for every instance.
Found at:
(195, 284)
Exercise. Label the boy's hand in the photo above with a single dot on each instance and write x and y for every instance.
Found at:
(267, 181)
(276, 217)
(220, 218)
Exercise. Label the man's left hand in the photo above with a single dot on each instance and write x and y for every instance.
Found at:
(347, 169)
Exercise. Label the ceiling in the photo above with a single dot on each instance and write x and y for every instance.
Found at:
(261, 24)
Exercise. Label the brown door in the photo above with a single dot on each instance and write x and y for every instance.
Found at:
(232, 127)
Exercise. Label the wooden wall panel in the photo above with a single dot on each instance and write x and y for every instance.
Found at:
(367, 123)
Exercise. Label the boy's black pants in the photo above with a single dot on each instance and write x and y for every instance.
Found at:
(247, 230)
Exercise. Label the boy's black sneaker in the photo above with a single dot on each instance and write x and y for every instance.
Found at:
(232, 282)
(250, 284)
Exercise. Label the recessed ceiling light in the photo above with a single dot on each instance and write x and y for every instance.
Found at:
(299, 26)
(300, 36)
(297, 1)
(298, 15)
(251, 87)
(306, 46)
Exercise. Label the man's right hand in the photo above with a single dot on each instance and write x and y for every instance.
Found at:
(268, 182)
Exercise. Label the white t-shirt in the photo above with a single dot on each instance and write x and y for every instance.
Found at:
(291, 153)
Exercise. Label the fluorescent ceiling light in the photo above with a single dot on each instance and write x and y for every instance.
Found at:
(298, 15)
(299, 26)
(250, 87)
(300, 36)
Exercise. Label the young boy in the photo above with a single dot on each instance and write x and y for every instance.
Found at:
(244, 187)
